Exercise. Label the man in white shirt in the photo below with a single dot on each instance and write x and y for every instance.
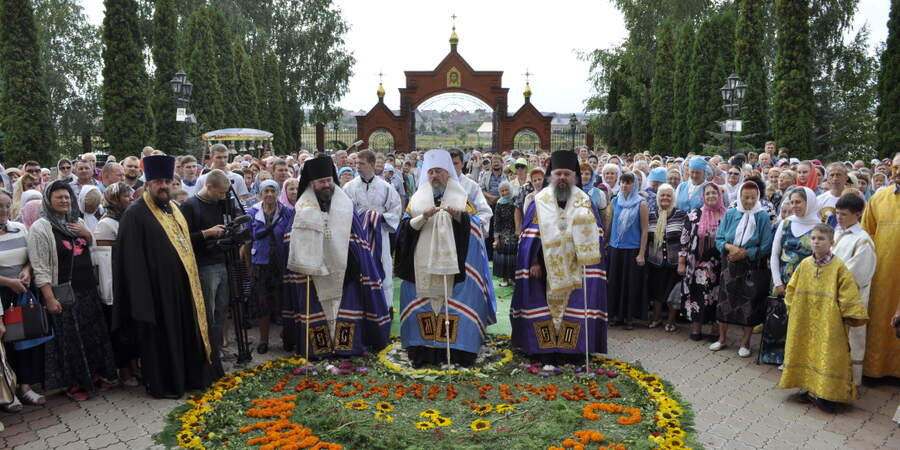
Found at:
(473, 192)
(189, 175)
(219, 159)
(837, 181)
(373, 193)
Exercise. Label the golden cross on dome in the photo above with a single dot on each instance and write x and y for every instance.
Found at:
(453, 20)
(379, 77)
(527, 75)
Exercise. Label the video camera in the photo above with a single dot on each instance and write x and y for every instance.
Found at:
(236, 234)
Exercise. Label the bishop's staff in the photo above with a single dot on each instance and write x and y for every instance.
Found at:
(447, 324)
(306, 339)
(587, 360)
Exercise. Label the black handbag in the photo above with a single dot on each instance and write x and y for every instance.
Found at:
(63, 292)
(774, 334)
(26, 320)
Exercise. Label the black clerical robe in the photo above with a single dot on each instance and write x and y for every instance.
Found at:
(153, 300)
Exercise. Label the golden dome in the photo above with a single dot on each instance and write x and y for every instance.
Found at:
(527, 92)
(454, 39)
(380, 90)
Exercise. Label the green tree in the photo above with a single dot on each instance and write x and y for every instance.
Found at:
(207, 100)
(663, 92)
(124, 80)
(70, 55)
(712, 65)
(855, 80)
(889, 88)
(684, 66)
(25, 120)
(792, 104)
(246, 97)
(273, 102)
(256, 66)
(223, 38)
(749, 64)
(165, 57)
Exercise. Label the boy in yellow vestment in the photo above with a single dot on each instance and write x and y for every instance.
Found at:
(822, 301)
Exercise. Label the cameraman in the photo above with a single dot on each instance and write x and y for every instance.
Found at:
(205, 215)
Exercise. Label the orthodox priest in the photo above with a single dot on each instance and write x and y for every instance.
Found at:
(157, 289)
(447, 297)
(552, 317)
(331, 261)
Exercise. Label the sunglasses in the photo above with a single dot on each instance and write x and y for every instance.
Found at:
(34, 171)
(734, 173)
(65, 168)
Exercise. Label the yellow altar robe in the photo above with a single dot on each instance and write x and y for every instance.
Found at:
(881, 219)
(817, 351)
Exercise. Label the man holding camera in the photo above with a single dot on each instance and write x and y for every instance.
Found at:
(205, 214)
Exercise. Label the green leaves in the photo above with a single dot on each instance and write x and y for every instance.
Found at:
(889, 88)
(792, 104)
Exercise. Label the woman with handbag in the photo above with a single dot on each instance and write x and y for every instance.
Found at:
(15, 278)
(80, 359)
(744, 239)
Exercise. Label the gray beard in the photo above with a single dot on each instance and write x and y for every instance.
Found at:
(561, 192)
(437, 188)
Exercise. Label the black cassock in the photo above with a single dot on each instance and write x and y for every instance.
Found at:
(153, 302)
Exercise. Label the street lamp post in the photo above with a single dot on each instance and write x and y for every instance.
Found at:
(732, 97)
(337, 125)
(182, 88)
(573, 125)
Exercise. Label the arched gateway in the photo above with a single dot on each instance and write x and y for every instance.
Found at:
(453, 74)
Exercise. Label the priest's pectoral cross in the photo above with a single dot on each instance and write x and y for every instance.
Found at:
(327, 229)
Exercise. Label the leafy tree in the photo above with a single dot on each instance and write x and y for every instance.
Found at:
(124, 80)
(200, 55)
(663, 92)
(792, 105)
(245, 97)
(256, 66)
(684, 66)
(224, 37)
(70, 56)
(749, 64)
(165, 57)
(25, 120)
(856, 93)
(889, 88)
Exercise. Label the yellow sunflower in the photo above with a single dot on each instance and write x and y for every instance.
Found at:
(674, 442)
(503, 407)
(675, 433)
(483, 409)
(480, 425)
(383, 417)
(384, 406)
(423, 425)
(442, 421)
(429, 413)
(358, 405)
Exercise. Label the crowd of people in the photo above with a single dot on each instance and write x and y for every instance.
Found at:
(128, 260)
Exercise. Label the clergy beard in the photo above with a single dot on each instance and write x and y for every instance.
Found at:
(437, 188)
(324, 197)
(160, 197)
(561, 190)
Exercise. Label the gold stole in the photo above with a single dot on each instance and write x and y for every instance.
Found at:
(177, 231)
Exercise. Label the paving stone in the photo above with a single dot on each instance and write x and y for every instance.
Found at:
(61, 439)
(130, 433)
(117, 446)
(91, 431)
(52, 430)
(43, 422)
(141, 442)
(102, 441)
(78, 445)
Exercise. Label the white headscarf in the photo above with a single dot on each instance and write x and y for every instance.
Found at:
(90, 220)
(437, 158)
(746, 228)
(802, 225)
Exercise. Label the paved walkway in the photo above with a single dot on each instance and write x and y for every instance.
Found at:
(737, 405)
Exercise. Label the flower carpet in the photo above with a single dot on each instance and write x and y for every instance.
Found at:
(379, 401)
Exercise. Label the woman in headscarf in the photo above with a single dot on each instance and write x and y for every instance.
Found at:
(288, 195)
(699, 260)
(89, 199)
(506, 240)
(31, 212)
(80, 358)
(26, 182)
(808, 176)
(526, 195)
(611, 176)
(744, 240)
(345, 175)
(27, 196)
(64, 170)
(628, 244)
(116, 199)
(267, 255)
(665, 225)
(598, 197)
(791, 242)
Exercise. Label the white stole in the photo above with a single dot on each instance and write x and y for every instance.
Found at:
(435, 255)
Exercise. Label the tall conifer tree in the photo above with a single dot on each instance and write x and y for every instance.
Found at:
(25, 116)
(663, 95)
(792, 104)
(246, 97)
(889, 88)
(165, 57)
(684, 67)
(274, 102)
(749, 63)
(124, 80)
(207, 100)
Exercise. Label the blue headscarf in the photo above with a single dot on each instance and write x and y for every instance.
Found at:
(629, 209)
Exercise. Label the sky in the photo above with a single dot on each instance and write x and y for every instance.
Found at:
(539, 36)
